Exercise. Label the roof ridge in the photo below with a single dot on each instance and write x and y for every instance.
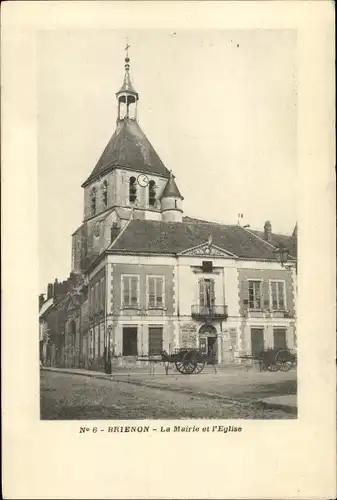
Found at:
(277, 234)
(264, 241)
(256, 236)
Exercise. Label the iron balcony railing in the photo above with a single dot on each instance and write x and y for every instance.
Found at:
(212, 311)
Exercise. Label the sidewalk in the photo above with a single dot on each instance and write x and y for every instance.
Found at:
(236, 386)
(287, 403)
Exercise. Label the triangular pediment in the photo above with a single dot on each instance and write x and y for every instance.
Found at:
(207, 250)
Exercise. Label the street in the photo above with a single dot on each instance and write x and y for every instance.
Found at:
(71, 396)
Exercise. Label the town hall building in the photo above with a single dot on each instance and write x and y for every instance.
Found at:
(145, 277)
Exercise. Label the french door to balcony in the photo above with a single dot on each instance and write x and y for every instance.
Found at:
(206, 295)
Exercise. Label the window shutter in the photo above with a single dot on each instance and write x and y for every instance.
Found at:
(134, 291)
(212, 292)
(274, 295)
(159, 292)
(126, 291)
(151, 292)
(155, 339)
(201, 284)
(281, 293)
(245, 293)
(258, 294)
(265, 292)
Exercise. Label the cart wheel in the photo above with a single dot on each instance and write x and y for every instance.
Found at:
(285, 360)
(190, 363)
(190, 368)
(199, 366)
(184, 367)
(273, 367)
(180, 366)
(286, 366)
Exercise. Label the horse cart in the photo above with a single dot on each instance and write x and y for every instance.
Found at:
(187, 360)
(274, 360)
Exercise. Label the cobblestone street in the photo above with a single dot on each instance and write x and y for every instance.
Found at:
(78, 397)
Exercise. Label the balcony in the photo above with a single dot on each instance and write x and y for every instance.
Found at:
(209, 312)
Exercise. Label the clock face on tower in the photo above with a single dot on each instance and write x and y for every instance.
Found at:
(142, 180)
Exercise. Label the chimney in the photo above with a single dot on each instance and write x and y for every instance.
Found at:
(50, 291)
(267, 231)
(41, 300)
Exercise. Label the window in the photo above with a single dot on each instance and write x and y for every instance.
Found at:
(155, 291)
(257, 341)
(132, 190)
(130, 341)
(155, 340)
(105, 193)
(93, 201)
(277, 295)
(280, 338)
(130, 291)
(255, 295)
(206, 293)
(152, 193)
(207, 266)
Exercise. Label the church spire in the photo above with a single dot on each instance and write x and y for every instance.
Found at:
(171, 201)
(127, 96)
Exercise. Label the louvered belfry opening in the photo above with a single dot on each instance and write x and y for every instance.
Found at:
(152, 193)
(133, 190)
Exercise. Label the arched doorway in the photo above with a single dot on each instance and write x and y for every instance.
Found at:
(208, 341)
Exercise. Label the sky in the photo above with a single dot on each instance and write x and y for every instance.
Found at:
(219, 107)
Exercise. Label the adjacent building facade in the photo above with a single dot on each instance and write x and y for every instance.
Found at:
(145, 278)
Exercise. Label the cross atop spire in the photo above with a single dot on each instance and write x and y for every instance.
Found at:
(127, 48)
(127, 95)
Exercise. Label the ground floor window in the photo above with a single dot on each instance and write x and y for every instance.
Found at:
(257, 340)
(130, 335)
(155, 339)
(280, 338)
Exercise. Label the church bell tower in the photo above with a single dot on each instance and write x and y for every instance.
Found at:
(127, 97)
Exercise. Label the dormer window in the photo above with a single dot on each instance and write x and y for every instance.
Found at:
(152, 193)
(93, 201)
(105, 193)
(132, 190)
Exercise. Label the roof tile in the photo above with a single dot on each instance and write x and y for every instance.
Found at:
(147, 236)
(129, 148)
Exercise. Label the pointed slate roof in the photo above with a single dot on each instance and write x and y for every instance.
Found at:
(129, 148)
(127, 85)
(171, 189)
